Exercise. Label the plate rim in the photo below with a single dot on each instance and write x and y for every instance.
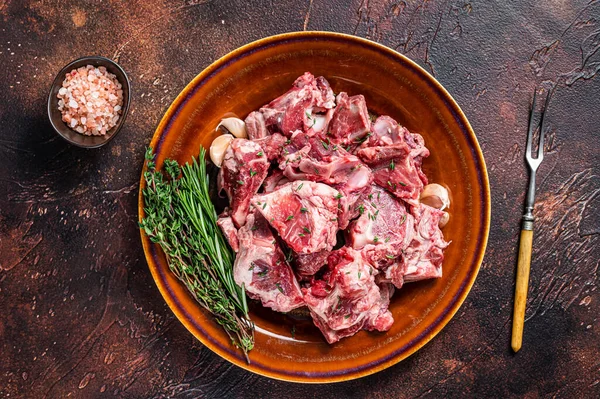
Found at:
(452, 308)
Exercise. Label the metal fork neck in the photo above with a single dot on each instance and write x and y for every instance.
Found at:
(528, 219)
(529, 203)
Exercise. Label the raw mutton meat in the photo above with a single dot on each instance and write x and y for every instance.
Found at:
(315, 165)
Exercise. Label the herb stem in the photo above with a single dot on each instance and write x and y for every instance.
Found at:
(181, 219)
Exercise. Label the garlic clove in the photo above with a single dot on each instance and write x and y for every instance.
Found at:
(435, 196)
(235, 126)
(444, 220)
(218, 148)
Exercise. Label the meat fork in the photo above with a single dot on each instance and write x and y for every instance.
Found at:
(526, 239)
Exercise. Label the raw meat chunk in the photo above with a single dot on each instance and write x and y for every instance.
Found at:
(316, 159)
(261, 267)
(272, 145)
(423, 257)
(243, 171)
(312, 158)
(347, 299)
(309, 264)
(350, 123)
(303, 213)
(382, 231)
(395, 170)
(229, 230)
(255, 126)
(294, 110)
(387, 132)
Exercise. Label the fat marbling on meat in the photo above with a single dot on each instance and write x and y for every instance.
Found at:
(303, 213)
(307, 265)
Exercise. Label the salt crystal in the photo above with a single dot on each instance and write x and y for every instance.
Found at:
(88, 102)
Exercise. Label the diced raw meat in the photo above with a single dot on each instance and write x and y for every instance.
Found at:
(347, 299)
(383, 230)
(395, 170)
(382, 221)
(311, 158)
(309, 264)
(303, 213)
(260, 266)
(315, 165)
(387, 132)
(229, 230)
(316, 159)
(396, 155)
(350, 123)
(272, 145)
(255, 126)
(423, 257)
(294, 110)
(244, 168)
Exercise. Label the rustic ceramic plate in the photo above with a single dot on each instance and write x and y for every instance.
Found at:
(254, 74)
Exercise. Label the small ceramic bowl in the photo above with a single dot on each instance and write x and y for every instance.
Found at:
(55, 115)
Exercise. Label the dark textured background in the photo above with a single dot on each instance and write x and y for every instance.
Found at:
(80, 314)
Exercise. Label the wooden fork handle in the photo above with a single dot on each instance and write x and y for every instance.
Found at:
(521, 288)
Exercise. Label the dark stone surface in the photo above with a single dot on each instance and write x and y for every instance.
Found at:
(81, 316)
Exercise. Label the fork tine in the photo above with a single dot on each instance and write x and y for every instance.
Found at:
(531, 129)
(542, 131)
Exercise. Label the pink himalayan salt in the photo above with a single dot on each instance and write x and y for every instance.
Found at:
(90, 100)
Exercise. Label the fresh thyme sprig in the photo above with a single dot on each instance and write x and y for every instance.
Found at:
(181, 219)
